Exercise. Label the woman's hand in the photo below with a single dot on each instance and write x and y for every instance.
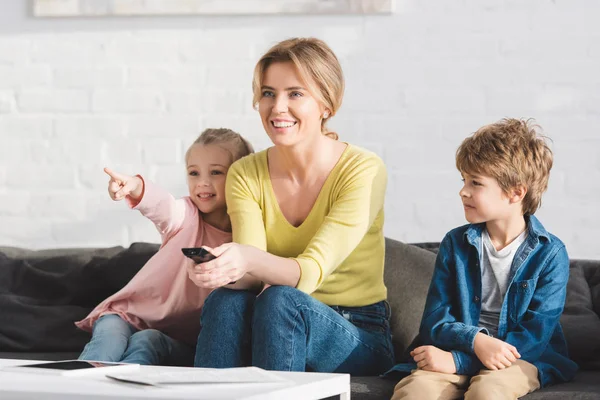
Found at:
(430, 358)
(121, 185)
(231, 264)
(494, 353)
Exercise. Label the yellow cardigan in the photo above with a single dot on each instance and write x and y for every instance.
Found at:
(340, 245)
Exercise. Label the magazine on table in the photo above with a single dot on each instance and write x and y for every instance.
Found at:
(73, 368)
(198, 375)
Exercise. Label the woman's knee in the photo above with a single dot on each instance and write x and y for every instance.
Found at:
(278, 298)
(222, 299)
(276, 305)
(224, 306)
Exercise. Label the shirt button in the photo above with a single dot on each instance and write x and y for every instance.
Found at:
(524, 285)
(476, 298)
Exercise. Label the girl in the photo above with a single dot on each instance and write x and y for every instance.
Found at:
(154, 319)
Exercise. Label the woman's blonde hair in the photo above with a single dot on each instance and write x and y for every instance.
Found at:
(512, 152)
(229, 140)
(317, 65)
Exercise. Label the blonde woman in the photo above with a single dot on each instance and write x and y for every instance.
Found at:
(307, 219)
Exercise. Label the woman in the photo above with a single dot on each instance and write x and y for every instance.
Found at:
(307, 219)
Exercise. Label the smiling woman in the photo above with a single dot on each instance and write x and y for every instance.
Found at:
(307, 219)
(286, 107)
(297, 83)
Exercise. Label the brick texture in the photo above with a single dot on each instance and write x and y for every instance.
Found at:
(132, 93)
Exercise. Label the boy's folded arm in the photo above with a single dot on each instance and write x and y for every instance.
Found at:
(466, 363)
(439, 326)
(532, 335)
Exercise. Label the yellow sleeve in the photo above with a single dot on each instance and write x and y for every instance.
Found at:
(242, 193)
(358, 203)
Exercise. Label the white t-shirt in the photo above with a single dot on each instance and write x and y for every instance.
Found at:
(495, 272)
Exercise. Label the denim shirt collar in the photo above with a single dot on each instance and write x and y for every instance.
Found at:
(535, 231)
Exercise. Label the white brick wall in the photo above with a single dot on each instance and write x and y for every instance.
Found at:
(132, 93)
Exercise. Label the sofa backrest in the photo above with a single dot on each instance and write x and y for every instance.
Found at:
(42, 292)
(407, 274)
(581, 317)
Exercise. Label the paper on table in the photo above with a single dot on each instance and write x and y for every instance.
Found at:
(200, 375)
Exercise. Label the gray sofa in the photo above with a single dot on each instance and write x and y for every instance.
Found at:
(42, 292)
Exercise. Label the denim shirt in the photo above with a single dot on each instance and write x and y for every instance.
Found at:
(532, 305)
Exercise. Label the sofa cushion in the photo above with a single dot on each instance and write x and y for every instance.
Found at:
(593, 273)
(371, 388)
(42, 293)
(41, 356)
(585, 386)
(408, 271)
(579, 321)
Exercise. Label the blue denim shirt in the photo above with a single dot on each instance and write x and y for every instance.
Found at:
(529, 317)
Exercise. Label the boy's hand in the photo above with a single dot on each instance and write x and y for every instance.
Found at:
(494, 353)
(430, 358)
(120, 186)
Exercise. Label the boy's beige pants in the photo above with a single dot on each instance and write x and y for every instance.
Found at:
(509, 383)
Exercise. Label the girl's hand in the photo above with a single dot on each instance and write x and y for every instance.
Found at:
(230, 265)
(120, 186)
(430, 358)
(494, 353)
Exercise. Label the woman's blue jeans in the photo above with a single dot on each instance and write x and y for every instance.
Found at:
(114, 339)
(285, 329)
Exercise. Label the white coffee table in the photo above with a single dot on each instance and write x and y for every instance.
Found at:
(300, 385)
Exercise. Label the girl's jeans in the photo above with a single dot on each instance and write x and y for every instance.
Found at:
(285, 329)
(114, 339)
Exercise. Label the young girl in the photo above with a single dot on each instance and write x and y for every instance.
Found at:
(155, 318)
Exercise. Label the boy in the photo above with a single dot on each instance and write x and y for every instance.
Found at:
(490, 329)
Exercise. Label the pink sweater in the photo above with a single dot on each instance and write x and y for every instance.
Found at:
(161, 296)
